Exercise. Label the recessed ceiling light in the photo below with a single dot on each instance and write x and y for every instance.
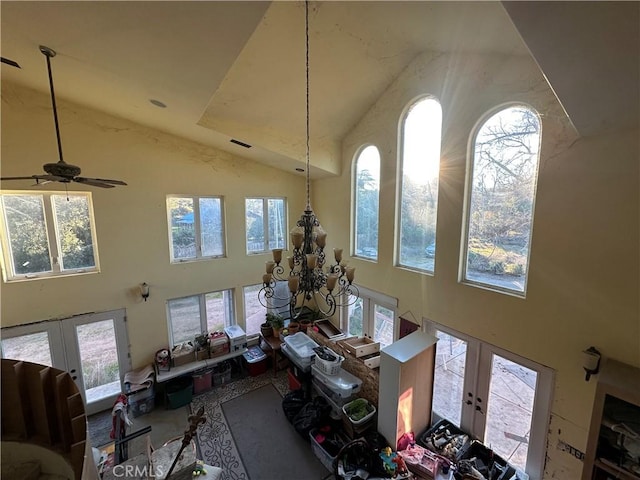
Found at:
(157, 103)
(299, 169)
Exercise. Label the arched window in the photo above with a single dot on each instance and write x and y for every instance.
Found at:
(366, 187)
(501, 196)
(419, 169)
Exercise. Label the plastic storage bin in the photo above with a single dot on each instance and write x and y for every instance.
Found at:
(142, 401)
(179, 392)
(325, 457)
(348, 409)
(255, 360)
(341, 385)
(222, 373)
(300, 346)
(201, 381)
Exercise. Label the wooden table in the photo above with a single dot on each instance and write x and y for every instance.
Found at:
(271, 346)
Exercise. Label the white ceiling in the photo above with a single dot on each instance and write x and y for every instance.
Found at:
(236, 69)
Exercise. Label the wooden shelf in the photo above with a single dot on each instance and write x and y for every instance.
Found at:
(615, 470)
(617, 393)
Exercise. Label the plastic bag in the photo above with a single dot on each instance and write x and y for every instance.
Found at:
(312, 415)
(292, 403)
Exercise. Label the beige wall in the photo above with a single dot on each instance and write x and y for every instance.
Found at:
(131, 221)
(583, 281)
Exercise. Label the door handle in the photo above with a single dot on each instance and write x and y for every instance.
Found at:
(478, 409)
(74, 377)
(72, 370)
(468, 402)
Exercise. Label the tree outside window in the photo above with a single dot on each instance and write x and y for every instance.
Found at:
(367, 199)
(47, 234)
(266, 224)
(420, 166)
(503, 177)
(196, 227)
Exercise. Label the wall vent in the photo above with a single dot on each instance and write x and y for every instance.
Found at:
(242, 144)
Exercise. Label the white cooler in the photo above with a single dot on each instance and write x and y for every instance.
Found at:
(237, 338)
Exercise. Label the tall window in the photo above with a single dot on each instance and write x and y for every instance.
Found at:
(47, 234)
(196, 227)
(254, 312)
(367, 198)
(373, 314)
(503, 176)
(191, 316)
(420, 166)
(266, 223)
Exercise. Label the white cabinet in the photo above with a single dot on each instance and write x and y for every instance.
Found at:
(406, 386)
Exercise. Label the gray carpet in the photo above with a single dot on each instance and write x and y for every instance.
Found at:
(268, 444)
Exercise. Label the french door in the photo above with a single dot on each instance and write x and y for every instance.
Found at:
(93, 348)
(498, 397)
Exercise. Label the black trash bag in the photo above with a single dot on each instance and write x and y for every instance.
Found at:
(312, 415)
(292, 403)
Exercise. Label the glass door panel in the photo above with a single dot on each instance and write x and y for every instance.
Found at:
(97, 351)
(383, 325)
(99, 359)
(33, 347)
(509, 412)
(449, 377)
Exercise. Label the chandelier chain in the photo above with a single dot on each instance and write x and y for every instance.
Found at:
(307, 157)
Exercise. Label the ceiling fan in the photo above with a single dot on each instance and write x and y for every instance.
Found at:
(62, 171)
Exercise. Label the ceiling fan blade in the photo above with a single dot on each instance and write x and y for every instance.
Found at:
(93, 181)
(8, 61)
(51, 178)
(31, 177)
(103, 180)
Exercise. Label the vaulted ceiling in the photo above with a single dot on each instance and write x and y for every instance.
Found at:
(236, 69)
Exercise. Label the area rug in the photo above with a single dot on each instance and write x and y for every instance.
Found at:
(269, 446)
(215, 441)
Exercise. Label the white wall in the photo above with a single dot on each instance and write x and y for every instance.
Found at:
(131, 221)
(583, 281)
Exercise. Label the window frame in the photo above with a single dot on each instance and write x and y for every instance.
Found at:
(400, 185)
(470, 164)
(265, 224)
(371, 299)
(354, 202)
(197, 226)
(230, 313)
(53, 240)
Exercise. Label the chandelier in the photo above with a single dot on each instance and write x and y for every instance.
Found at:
(312, 283)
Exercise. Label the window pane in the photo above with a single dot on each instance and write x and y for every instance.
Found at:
(354, 325)
(367, 203)
(383, 326)
(254, 312)
(255, 225)
(99, 359)
(27, 233)
(419, 195)
(73, 223)
(277, 224)
(211, 227)
(183, 234)
(504, 174)
(29, 348)
(219, 310)
(509, 410)
(448, 381)
(184, 316)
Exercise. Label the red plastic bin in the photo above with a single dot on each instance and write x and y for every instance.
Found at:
(256, 360)
(294, 383)
(202, 381)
